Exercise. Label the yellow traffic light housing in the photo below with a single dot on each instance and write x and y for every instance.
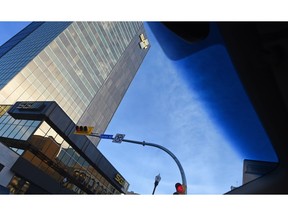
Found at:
(83, 130)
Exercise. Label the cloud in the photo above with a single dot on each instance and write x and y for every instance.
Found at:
(204, 150)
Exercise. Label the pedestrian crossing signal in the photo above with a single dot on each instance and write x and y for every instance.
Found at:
(83, 130)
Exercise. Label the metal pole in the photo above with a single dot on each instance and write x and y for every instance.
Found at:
(154, 189)
(184, 182)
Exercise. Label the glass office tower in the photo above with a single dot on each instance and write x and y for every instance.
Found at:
(85, 67)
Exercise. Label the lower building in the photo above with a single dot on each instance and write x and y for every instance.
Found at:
(253, 169)
(258, 176)
(42, 155)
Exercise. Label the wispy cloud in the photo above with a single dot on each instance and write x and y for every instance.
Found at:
(206, 153)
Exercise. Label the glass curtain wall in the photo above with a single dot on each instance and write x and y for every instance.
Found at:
(40, 144)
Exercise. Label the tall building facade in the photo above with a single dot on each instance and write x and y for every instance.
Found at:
(85, 68)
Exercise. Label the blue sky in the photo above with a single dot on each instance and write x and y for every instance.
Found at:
(196, 108)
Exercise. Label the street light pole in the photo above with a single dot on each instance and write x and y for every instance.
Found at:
(157, 180)
(184, 182)
(120, 138)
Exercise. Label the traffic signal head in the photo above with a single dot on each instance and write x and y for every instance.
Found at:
(83, 130)
(179, 188)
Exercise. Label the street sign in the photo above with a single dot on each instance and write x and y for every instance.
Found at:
(118, 138)
(106, 136)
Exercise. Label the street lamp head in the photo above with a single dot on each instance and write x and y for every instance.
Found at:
(157, 178)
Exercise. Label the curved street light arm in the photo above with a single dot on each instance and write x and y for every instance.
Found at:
(184, 182)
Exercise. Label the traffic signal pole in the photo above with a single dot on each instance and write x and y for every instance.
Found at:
(120, 138)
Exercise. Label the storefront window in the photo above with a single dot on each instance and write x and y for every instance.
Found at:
(67, 162)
